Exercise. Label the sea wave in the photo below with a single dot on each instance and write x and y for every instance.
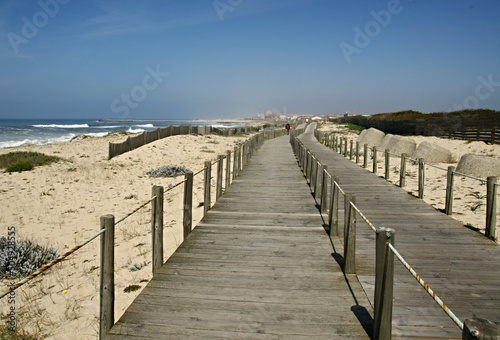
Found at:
(36, 141)
(147, 126)
(62, 126)
(130, 130)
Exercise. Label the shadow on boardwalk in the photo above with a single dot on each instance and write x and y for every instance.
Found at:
(460, 265)
(259, 265)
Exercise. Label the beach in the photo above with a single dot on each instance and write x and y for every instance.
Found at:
(60, 205)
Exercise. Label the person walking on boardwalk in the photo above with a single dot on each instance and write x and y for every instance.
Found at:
(287, 127)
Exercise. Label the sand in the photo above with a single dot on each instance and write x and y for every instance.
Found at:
(61, 204)
(469, 204)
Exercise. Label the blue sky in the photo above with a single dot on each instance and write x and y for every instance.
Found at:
(204, 59)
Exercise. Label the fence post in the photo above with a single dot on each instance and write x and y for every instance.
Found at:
(349, 235)
(384, 284)
(365, 156)
(387, 164)
(336, 143)
(345, 146)
(421, 178)
(228, 169)
(157, 227)
(240, 158)
(207, 202)
(188, 203)
(220, 167)
(448, 206)
(375, 166)
(333, 214)
(491, 207)
(479, 329)
(350, 150)
(402, 172)
(235, 162)
(107, 291)
(324, 189)
(357, 152)
(319, 182)
(314, 174)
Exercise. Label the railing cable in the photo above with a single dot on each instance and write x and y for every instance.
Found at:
(428, 289)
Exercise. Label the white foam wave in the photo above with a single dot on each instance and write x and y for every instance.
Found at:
(145, 126)
(62, 126)
(130, 130)
(14, 143)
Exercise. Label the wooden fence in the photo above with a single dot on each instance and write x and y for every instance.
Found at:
(234, 161)
(320, 180)
(481, 127)
(134, 142)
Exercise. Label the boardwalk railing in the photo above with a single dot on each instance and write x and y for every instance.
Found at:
(350, 149)
(316, 175)
(239, 158)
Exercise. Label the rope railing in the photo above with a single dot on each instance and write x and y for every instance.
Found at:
(46, 266)
(427, 288)
(135, 210)
(490, 182)
(370, 224)
(436, 167)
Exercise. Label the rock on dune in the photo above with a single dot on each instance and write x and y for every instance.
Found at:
(385, 141)
(398, 145)
(432, 153)
(372, 137)
(479, 165)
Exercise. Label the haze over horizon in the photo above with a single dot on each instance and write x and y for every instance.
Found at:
(203, 59)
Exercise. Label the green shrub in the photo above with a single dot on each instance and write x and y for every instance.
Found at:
(22, 160)
(18, 167)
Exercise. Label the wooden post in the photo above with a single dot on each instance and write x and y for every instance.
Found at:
(188, 203)
(319, 181)
(240, 155)
(228, 169)
(480, 329)
(333, 214)
(349, 235)
(306, 164)
(235, 162)
(336, 143)
(345, 146)
(384, 284)
(375, 165)
(324, 189)
(351, 150)
(421, 178)
(491, 207)
(340, 145)
(157, 227)
(107, 289)
(448, 206)
(357, 152)
(387, 164)
(220, 167)
(207, 187)
(314, 175)
(365, 156)
(402, 172)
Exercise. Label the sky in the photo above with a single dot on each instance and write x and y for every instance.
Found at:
(203, 59)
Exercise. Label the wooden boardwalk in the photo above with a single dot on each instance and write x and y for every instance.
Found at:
(259, 265)
(460, 265)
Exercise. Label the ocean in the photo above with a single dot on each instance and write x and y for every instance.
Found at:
(16, 132)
